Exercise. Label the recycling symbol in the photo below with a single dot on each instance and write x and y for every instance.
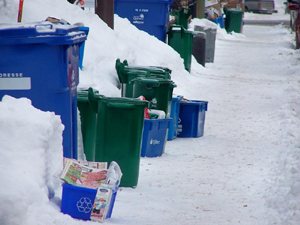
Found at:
(84, 205)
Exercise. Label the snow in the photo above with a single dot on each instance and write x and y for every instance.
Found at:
(244, 170)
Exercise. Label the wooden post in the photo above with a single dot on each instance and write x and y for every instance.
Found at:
(200, 8)
(105, 10)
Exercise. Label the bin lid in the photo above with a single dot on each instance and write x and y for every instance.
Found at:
(117, 102)
(179, 29)
(40, 32)
(195, 103)
(153, 81)
(85, 29)
(150, 73)
(204, 28)
(177, 98)
(123, 71)
(82, 94)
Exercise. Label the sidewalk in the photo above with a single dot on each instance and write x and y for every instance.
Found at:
(228, 176)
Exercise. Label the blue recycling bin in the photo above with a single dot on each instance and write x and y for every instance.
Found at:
(39, 61)
(219, 20)
(81, 49)
(78, 201)
(175, 107)
(192, 118)
(151, 16)
(154, 137)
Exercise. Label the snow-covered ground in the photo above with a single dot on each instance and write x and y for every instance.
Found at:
(244, 170)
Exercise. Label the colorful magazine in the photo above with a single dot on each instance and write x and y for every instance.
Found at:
(101, 203)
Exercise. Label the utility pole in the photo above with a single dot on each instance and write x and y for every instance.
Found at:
(200, 8)
(105, 10)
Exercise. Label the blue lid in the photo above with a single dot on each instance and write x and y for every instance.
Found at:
(177, 99)
(40, 32)
(85, 29)
(194, 102)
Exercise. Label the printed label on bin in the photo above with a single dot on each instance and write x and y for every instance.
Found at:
(84, 205)
(138, 19)
(154, 142)
(14, 83)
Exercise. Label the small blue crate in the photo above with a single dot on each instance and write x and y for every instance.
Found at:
(175, 107)
(192, 118)
(78, 201)
(154, 137)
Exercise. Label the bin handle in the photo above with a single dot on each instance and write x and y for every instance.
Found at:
(120, 105)
(41, 28)
(93, 100)
(149, 82)
(176, 26)
(164, 73)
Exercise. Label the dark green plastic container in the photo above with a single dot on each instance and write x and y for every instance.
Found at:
(233, 21)
(88, 124)
(127, 73)
(183, 17)
(157, 91)
(127, 88)
(181, 41)
(119, 129)
(123, 69)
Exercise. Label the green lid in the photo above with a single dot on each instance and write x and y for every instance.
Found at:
(116, 102)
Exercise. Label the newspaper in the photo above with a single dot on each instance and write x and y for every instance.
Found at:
(96, 165)
(77, 173)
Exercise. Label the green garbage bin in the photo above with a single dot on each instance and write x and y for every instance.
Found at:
(88, 124)
(156, 90)
(127, 88)
(181, 40)
(122, 68)
(127, 73)
(233, 20)
(182, 17)
(119, 128)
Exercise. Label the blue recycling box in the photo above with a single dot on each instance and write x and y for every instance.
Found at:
(175, 107)
(151, 16)
(192, 118)
(154, 137)
(78, 201)
(39, 61)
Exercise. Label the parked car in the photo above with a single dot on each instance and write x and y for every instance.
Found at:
(294, 7)
(260, 6)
